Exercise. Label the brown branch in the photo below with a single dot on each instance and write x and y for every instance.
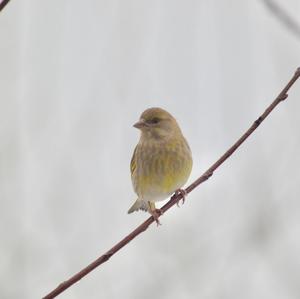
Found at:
(3, 4)
(174, 199)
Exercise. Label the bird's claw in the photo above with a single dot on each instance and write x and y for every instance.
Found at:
(156, 214)
(159, 212)
(183, 194)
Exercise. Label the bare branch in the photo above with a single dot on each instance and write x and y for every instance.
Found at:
(174, 199)
(283, 17)
(3, 4)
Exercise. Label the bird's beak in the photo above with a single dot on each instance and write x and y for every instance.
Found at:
(140, 124)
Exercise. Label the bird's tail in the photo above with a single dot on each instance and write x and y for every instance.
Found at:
(138, 205)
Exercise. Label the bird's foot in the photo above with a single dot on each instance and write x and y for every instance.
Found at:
(183, 194)
(156, 214)
(159, 212)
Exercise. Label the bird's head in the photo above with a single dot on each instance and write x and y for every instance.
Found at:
(157, 123)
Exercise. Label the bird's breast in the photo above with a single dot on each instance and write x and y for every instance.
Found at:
(161, 168)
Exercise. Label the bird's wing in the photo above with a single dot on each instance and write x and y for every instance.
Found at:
(133, 162)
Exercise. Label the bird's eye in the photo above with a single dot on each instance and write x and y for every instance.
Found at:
(154, 120)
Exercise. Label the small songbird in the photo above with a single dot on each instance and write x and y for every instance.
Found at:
(161, 162)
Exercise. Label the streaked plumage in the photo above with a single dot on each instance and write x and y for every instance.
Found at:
(161, 162)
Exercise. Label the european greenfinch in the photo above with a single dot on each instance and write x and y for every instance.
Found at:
(161, 162)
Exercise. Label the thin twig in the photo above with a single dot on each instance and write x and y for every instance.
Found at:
(283, 17)
(3, 4)
(174, 199)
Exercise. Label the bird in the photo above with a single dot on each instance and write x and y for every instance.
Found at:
(161, 163)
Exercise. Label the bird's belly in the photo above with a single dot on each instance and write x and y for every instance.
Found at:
(158, 176)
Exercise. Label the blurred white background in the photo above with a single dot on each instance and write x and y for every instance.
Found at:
(74, 77)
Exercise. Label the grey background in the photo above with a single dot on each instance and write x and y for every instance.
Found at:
(74, 77)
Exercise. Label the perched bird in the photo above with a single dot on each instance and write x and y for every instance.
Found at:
(161, 162)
